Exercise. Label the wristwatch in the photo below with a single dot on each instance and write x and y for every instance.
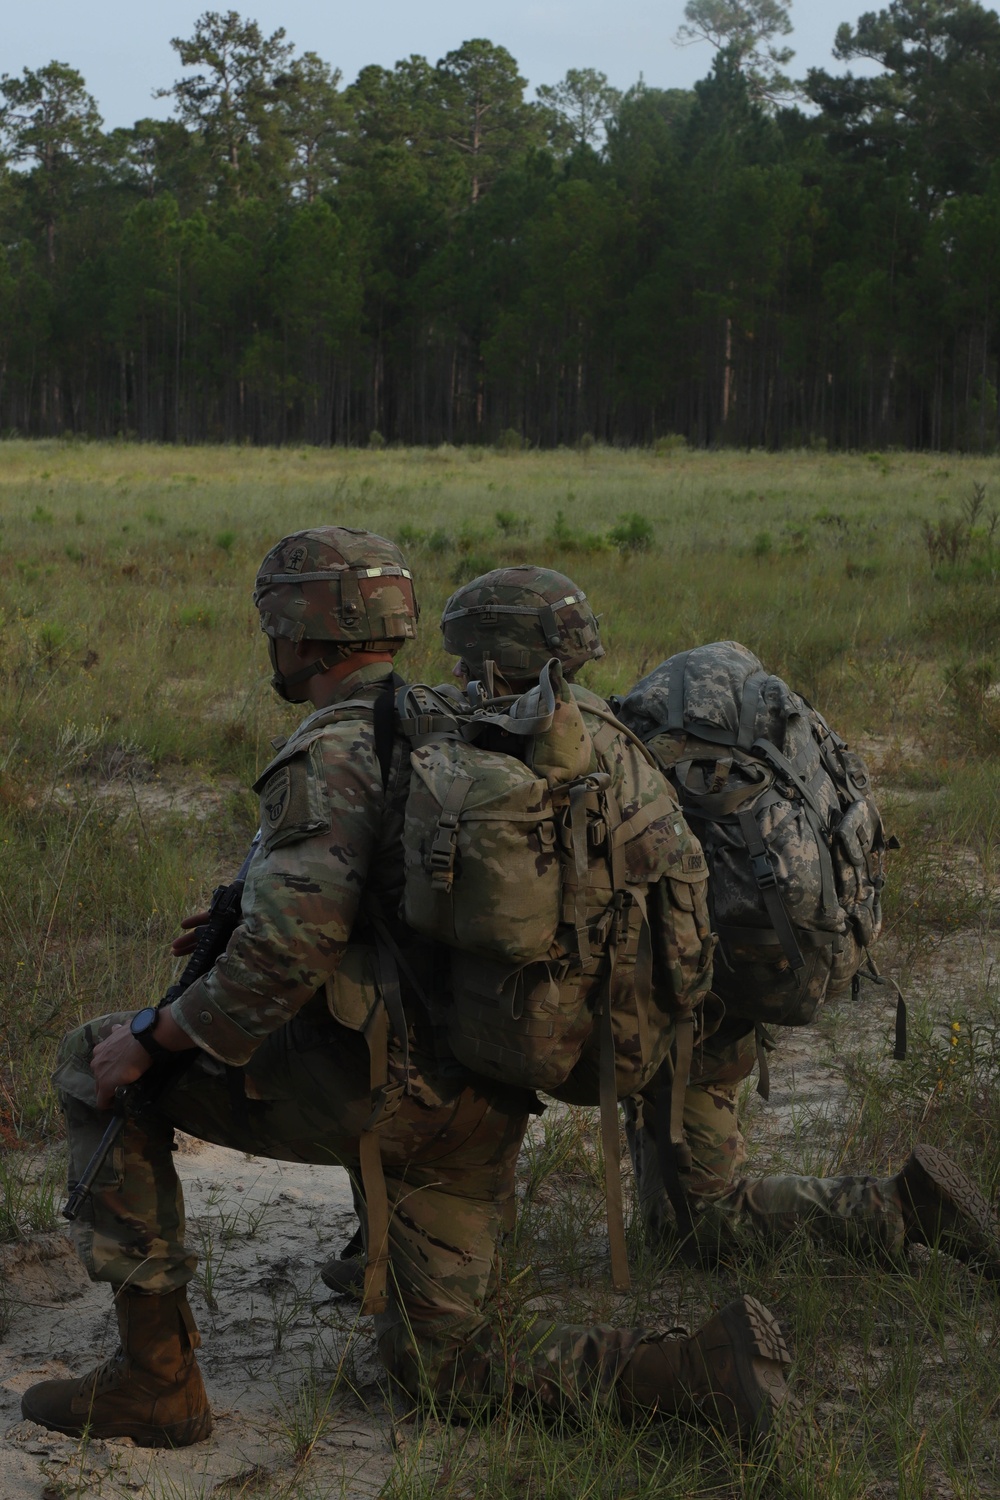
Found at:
(141, 1027)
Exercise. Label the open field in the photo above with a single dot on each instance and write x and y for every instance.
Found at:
(135, 710)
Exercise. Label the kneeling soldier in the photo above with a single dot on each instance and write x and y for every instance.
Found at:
(503, 627)
(273, 1073)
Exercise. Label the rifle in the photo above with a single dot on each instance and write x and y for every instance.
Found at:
(213, 939)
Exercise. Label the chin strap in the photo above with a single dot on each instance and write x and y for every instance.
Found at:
(282, 683)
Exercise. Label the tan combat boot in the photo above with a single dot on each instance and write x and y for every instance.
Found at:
(942, 1207)
(151, 1390)
(732, 1372)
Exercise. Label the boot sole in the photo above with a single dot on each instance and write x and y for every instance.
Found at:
(968, 1203)
(760, 1358)
(176, 1435)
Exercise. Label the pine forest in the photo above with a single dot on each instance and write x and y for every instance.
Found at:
(428, 255)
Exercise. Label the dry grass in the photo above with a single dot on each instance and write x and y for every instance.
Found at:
(134, 710)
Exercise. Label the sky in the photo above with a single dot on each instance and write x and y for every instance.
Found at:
(122, 47)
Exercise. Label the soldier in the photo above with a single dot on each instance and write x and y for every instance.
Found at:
(503, 627)
(272, 1072)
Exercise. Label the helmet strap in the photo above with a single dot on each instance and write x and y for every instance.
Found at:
(283, 682)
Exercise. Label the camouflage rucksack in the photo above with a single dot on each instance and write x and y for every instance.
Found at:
(784, 810)
(571, 896)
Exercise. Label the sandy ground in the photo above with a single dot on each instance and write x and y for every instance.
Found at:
(273, 1341)
(274, 1338)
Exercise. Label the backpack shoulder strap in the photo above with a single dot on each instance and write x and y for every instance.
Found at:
(384, 724)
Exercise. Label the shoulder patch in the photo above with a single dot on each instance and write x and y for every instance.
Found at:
(294, 801)
(274, 799)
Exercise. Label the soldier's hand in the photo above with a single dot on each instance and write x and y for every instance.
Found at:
(117, 1061)
(186, 944)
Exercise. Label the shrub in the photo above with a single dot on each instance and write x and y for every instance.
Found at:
(52, 637)
(634, 533)
(566, 539)
(949, 540)
(508, 523)
(439, 540)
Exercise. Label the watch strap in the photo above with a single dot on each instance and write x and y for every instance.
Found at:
(144, 1036)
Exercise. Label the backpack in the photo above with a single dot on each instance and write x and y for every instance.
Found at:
(571, 897)
(790, 829)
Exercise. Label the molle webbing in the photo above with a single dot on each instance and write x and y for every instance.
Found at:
(767, 885)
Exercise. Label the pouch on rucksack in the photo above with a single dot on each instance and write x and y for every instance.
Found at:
(784, 810)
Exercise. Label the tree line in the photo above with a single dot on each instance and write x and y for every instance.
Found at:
(427, 255)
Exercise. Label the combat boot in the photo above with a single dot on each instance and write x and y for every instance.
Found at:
(732, 1372)
(150, 1390)
(941, 1207)
(345, 1273)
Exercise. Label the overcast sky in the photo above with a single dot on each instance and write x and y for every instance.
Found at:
(122, 47)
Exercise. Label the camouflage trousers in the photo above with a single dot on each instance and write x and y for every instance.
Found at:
(728, 1209)
(449, 1168)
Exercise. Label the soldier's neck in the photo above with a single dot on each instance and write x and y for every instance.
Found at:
(345, 677)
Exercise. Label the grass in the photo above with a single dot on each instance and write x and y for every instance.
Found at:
(135, 710)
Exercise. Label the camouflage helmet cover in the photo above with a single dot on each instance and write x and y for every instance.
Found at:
(519, 618)
(334, 583)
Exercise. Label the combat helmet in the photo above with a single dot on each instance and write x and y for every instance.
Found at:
(337, 584)
(517, 619)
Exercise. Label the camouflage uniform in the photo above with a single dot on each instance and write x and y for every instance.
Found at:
(331, 836)
(864, 1214)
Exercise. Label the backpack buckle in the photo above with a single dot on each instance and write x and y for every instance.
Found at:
(441, 860)
(385, 1101)
(763, 871)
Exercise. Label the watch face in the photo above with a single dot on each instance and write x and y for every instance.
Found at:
(145, 1020)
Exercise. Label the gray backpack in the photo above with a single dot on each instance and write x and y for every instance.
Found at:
(790, 830)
